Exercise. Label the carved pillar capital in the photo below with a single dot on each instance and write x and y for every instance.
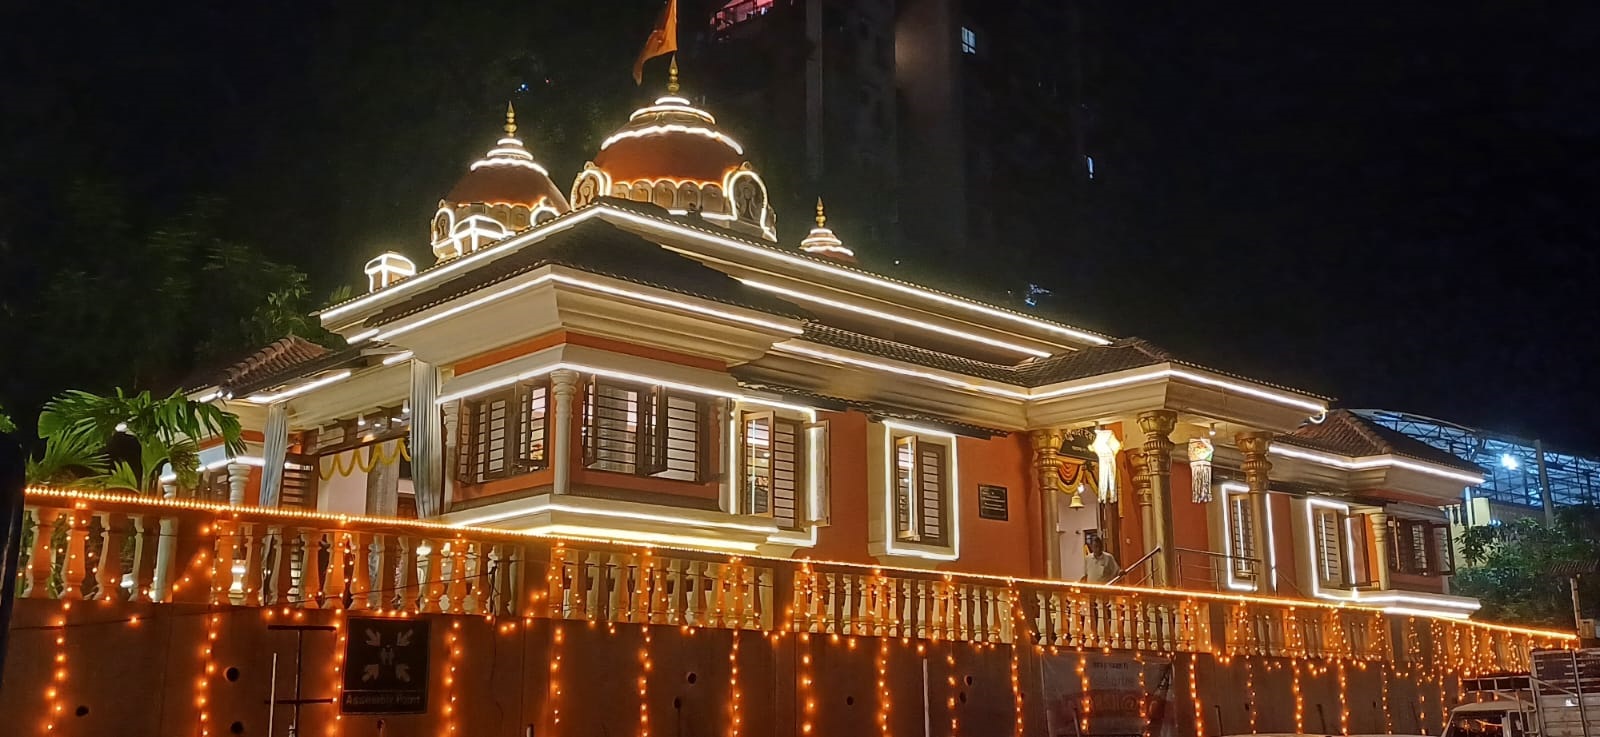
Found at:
(1254, 446)
(564, 383)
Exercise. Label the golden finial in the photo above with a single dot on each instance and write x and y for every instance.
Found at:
(672, 76)
(822, 220)
(511, 120)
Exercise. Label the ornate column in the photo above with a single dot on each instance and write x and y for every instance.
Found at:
(1254, 445)
(1380, 539)
(1047, 464)
(564, 385)
(238, 478)
(1157, 425)
(1142, 490)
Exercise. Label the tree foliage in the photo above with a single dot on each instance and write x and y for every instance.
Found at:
(1516, 569)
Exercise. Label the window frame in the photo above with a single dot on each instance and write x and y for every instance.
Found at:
(1339, 517)
(801, 469)
(1241, 534)
(910, 491)
(519, 427)
(1414, 539)
(653, 407)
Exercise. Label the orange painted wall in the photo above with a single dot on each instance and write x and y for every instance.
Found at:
(992, 546)
(846, 538)
(1286, 545)
(1189, 528)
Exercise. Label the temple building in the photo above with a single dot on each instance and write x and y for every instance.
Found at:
(644, 458)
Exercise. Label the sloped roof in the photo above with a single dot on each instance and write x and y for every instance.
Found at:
(1348, 434)
(282, 357)
(600, 248)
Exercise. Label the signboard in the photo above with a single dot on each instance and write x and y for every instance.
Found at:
(386, 667)
(1097, 695)
(992, 502)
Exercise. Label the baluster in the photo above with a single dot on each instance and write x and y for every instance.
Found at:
(747, 584)
(846, 587)
(1007, 619)
(250, 581)
(593, 581)
(563, 582)
(1141, 636)
(399, 574)
(457, 579)
(108, 562)
(995, 616)
(765, 619)
(674, 592)
(224, 550)
(474, 581)
(687, 592)
(74, 561)
(430, 575)
(831, 611)
(310, 567)
(496, 598)
(42, 563)
(281, 580)
(660, 596)
(716, 596)
(360, 588)
(338, 581)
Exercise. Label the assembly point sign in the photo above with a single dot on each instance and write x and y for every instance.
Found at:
(386, 667)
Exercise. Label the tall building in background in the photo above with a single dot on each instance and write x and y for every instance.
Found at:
(940, 128)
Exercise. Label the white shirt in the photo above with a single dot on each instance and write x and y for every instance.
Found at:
(1100, 568)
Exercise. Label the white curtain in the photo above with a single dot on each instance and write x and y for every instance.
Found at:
(426, 453)
(274, 452)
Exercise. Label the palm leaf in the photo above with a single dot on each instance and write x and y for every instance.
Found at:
(68, 457)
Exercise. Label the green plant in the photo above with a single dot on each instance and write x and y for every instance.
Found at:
(78, 427)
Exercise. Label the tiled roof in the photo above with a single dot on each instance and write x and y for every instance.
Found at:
(600, 248)
(281, 356)
(1348, 434)
(1120, 355)
(840, 404)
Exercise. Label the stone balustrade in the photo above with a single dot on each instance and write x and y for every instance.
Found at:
(120, 548)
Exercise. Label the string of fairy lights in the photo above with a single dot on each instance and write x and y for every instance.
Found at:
(1459, 649)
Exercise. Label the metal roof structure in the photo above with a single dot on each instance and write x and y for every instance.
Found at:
(1512, 465)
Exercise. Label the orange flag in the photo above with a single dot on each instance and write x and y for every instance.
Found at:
(663, 39)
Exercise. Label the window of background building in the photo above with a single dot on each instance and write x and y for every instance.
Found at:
(921, 490)
(969, 41)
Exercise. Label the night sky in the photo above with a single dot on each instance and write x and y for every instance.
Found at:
(1389, 203)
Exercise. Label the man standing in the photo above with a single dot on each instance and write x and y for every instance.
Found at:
(1099, 566)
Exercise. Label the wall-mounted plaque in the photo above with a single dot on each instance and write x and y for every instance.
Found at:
(992, 503)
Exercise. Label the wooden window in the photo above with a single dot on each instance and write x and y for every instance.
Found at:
(643, 430)
(921, 490)
(503, 434)
(1328, 535)
(1241, 532)
(1420, 548)
(773, 449)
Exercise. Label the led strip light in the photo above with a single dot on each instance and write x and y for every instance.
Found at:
(858, 309)
(592, 286)
(1385, 461)
(568, 221)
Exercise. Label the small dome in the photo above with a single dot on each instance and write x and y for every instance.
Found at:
(503, 192)
(671, 153)
(823, 243)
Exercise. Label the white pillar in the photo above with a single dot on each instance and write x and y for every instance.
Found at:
(166, 541)
(1380, 539)
(564, 385)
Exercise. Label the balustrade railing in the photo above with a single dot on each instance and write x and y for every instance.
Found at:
(137, 549)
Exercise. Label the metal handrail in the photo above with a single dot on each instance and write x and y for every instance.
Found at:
(1124, 571)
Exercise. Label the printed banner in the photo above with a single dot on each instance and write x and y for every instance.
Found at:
(1125, 696)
